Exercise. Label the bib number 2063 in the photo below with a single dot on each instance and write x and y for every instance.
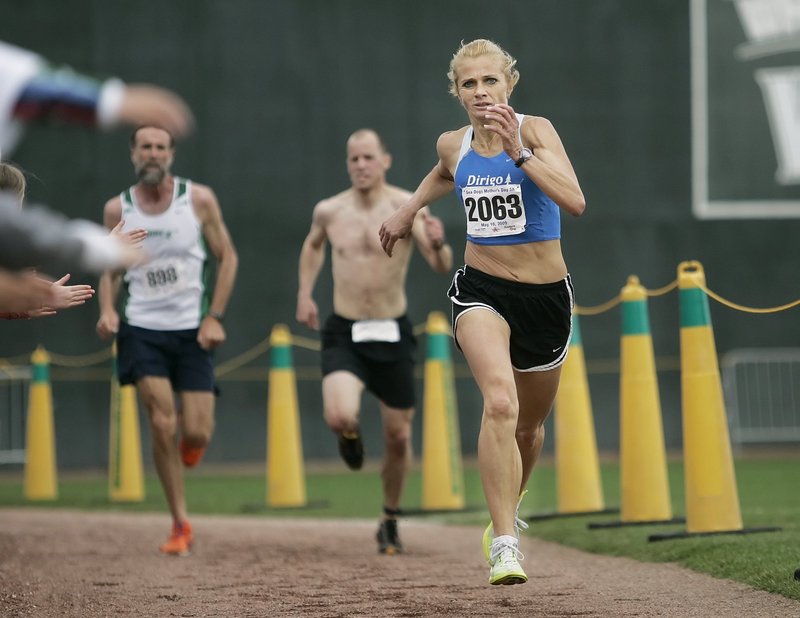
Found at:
(494, 210)
(498, 207)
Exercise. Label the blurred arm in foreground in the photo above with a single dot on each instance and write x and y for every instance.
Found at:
(32, 90)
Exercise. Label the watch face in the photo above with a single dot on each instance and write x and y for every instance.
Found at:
(524, 155)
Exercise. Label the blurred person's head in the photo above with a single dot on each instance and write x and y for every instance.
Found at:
(367, 159)
(12, 180)
(152, 153)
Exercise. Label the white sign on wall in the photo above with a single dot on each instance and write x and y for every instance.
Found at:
(745, 108)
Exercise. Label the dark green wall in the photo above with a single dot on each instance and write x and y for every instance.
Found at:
(278, 86)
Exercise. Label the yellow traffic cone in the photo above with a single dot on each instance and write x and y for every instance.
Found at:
(285, 475)
(442, 472)
(643, 459)
(125, 469)
(644, 487)
(578, 485)
(712, 500)
(41, 481)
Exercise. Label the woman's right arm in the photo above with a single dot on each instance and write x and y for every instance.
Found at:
(436, 184)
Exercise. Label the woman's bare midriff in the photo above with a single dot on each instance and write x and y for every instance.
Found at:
(536, 262)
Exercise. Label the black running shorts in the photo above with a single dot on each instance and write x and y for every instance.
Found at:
(173, 354)
(386, 369)
(539, 315)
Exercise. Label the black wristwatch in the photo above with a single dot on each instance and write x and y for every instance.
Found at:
(524, 155)
(219, 317)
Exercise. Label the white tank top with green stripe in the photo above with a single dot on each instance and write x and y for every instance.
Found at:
(169, 291)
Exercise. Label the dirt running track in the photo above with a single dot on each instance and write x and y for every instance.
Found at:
(64, 564)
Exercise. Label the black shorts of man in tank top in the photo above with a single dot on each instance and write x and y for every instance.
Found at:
(539, 315)
(173, 354)
(385, 368)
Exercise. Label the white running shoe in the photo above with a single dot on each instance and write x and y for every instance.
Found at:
(488, 534)
(505, 567)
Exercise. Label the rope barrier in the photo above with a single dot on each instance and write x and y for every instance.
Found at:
(610, 304)
(306, 343)
(20, 359)
(245, 357)
(85, 360)
(661, 291)
(738, 307)
(598, 309)
(315, 345)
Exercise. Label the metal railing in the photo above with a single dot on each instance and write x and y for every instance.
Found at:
(762, 392)
(14, 387)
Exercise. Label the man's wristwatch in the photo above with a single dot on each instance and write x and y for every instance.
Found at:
(219, 317)
(524, 155)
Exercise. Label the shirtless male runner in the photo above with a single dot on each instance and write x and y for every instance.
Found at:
(368, 343)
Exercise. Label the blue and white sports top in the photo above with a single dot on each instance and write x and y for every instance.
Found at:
(502, 204)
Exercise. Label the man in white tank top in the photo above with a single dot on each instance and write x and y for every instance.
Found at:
(171, 318)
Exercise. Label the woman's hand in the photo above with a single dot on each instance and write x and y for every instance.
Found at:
(505, 124)
(396, 227)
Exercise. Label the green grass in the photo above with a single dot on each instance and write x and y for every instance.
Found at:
(769, 495)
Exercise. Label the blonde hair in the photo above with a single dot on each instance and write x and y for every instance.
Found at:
(12, 179)
(476, 49)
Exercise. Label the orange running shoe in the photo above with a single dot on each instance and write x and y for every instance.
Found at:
(191, 455)
(180, 541)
